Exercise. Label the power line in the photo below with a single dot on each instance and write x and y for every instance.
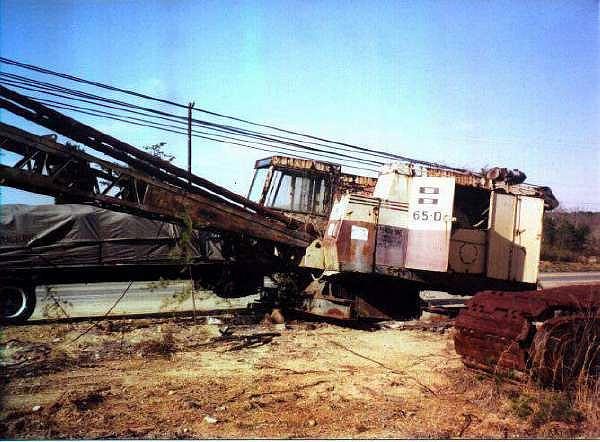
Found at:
(75, 78)
(52, 89)
(47, 88)
(197, 134)
(357, 150)
(179, 105)
(344, 159)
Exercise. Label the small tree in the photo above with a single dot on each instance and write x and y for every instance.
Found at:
(564, 240)
(549, 235)
(158, 151)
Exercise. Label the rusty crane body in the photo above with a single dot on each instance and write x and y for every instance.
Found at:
(374, 243)
(426, 228)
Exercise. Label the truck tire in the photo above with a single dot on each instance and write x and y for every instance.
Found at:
(17, 302)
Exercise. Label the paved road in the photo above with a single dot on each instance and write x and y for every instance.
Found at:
(549, 280)
(150, 297)
(142, 297)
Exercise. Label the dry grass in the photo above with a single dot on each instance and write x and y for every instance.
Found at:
(560, 400)
(586, 400)
(487, 406)
(477, 404)
(299, 385)
(557, 266)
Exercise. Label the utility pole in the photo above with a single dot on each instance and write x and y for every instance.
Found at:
(190, 107)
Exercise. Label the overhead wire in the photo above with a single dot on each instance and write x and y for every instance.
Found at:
(216, 126)
(195, 133)
(30, 84)
(348, 162)
(50, 88)
(217, 114)
(46, 88)
(201, 134)
(368, 151)
(22, 80)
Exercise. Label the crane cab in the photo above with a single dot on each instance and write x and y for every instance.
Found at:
(304, 189)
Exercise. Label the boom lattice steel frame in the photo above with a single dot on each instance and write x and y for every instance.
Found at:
(144, 185)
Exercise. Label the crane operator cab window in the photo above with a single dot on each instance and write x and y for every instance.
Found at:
(291, 191)
(258, 183)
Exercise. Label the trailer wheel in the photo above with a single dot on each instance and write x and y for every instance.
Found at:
(17, 303)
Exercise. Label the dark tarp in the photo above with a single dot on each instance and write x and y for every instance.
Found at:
(80, 235)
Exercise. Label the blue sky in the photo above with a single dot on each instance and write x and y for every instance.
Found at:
(468, 83)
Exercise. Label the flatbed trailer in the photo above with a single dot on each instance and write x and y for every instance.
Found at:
(74, 243)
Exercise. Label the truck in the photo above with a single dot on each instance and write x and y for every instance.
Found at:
(76, 243)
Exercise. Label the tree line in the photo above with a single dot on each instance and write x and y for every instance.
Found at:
(569, 236)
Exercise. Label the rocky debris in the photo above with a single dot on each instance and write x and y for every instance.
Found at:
(266, 320)
(277, 316)
(436, 326)
(244, 338)
(210, 420)
(164, 345)
(71, 403)
(90, 399)
(392, 325)
(213, 321)
(28, 359)
(192, 403)
(20, 353)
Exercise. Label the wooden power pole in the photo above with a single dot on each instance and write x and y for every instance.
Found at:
(190, 107)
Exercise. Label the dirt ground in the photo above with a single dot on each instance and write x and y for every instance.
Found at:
(174, 378)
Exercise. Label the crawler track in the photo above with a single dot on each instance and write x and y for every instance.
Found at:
(552, 335)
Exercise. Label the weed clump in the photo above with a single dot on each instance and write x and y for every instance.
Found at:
(179, 296)
(554, 406)
(541, 407)
(54, 306)
(521, 405)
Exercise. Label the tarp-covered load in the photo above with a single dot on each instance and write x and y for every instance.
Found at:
(79, 235)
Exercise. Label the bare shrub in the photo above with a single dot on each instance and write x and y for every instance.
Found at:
(54, 306)
(585, 398)
(178, 297)
(566, 352)
(565, 378)
(164, 345)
